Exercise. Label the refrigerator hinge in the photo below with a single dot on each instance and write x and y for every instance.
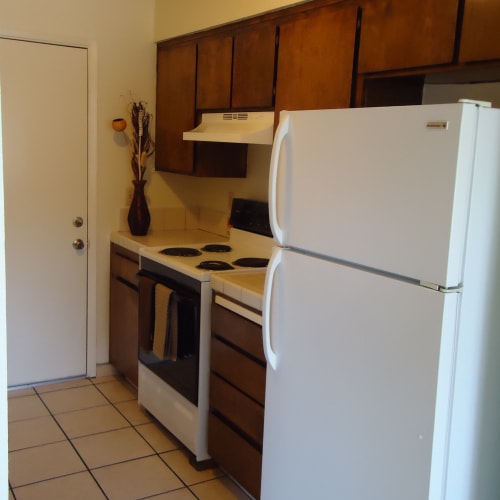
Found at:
(439, 288)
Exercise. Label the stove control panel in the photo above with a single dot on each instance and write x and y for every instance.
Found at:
(251, 216)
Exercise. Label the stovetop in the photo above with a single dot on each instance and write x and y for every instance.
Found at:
(243, 245)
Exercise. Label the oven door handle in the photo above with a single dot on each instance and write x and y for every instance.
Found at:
(148, 274)
(270, 353)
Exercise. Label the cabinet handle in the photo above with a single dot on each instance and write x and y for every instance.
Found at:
(271, 355)
(279, 138)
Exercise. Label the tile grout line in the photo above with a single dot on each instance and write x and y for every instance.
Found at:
(154, 450)
(157, 453)
(71, 444)
(113, 404)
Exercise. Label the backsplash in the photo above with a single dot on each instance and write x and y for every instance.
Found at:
(171, 218)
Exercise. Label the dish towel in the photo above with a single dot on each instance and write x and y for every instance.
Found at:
(172, 329)
(162, 301)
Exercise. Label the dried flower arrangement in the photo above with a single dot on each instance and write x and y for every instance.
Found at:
(140, 143)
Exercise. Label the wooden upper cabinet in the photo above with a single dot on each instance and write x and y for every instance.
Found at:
(215, 56)
(237, 72)
(175, 111)
(398, 34)
(480, 31)
(316, 58)
(253, 67)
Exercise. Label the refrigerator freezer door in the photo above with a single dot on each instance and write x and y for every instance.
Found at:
(386, 188)
(358, 405)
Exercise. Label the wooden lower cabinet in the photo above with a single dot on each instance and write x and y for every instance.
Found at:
(237, 395)
(235, 454)
(124, 312)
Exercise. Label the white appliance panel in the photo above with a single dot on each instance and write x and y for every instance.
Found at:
(382, 187)
(475, 433)
(358, 357)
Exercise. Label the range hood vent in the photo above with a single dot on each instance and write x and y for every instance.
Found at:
(244, 128)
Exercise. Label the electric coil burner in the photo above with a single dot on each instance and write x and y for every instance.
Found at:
(251, 262)
(181, 252)
(174, 366)
(215, 247)
(214, 265)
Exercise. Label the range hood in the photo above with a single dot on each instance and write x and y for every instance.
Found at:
(244, 128)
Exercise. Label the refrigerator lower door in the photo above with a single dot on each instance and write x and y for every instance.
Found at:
(358, 404)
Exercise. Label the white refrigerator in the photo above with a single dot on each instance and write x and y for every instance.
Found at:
(381, 320)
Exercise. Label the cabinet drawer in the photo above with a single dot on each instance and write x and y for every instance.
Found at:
(123, 327)
(125, 265)
(235, 454)
(242, 411)
(238, 331)
(239, 370)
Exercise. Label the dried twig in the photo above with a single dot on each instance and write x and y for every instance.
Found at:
(141, 144)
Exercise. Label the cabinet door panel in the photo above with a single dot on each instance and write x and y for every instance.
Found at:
(238, 370)
(315, 60)
(253, 67)
(123, 312)
(399, 34)
(480, 31)
(238, 331)
(242, 411)
(175, 97)
(214, 73)
(239, 457)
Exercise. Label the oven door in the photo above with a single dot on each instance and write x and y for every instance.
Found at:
(169, 329)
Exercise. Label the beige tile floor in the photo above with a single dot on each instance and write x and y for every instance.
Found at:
(89, 439)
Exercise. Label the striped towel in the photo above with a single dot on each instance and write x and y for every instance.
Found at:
(162, 301)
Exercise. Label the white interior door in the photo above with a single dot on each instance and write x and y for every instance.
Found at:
(44, 118)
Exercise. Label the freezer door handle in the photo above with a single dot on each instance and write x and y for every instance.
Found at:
(274, 262)
(279, 138)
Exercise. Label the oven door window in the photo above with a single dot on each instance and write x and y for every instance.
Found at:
(169, 333)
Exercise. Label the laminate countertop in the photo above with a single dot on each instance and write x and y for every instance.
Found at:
(164, 238)
(246, 288)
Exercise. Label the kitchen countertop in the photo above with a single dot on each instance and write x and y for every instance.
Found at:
(159, 238)
(245, 287)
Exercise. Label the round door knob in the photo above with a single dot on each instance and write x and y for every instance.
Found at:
(78, 244)
(78, 222)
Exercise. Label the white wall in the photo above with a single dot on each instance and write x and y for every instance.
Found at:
(119, 34)
(3, 337)
(177, 17)
(448, 93)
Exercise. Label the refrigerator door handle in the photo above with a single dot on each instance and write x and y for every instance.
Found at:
(271, 356)
(279, 137)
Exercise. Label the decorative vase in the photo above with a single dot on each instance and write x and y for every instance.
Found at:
(138, 214)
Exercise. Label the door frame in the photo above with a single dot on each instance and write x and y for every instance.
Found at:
(91, 47)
